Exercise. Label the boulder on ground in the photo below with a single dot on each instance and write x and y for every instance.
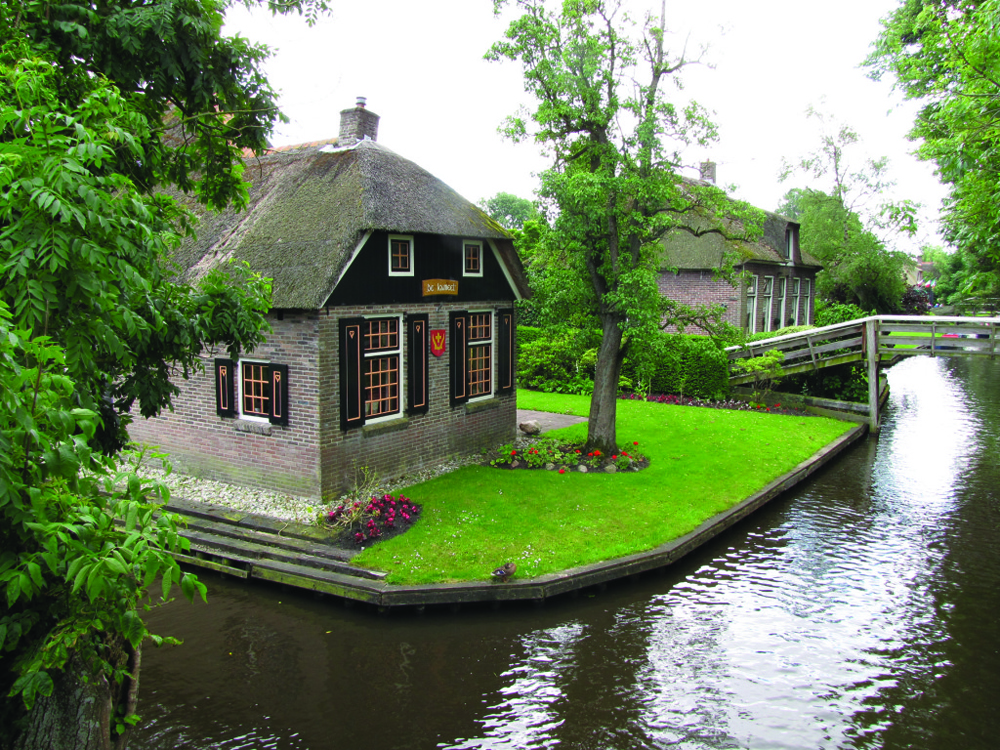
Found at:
(530, 428)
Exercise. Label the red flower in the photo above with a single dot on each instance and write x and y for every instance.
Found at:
(635, 442)
(513, 453)
(562, 471)
(613, 458)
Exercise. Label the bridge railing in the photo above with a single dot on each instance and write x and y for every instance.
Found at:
(905, 335)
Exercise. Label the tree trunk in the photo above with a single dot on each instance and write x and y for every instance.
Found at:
(601, 432)
(79, 715)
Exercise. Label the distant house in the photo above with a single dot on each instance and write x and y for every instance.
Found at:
(393, 324)
(779, 289)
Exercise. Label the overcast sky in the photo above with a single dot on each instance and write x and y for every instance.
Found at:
(420, 65)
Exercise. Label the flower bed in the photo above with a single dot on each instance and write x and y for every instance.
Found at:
(381, 517)
(553, 455)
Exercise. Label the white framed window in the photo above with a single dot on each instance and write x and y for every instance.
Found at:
(767, 295)
(479, 355)
(751, 318)
(791, 240)
(782, 295)
(806, 295)
(382, 382)
(262, 391)
(472, 258)
(400, 255)
(795, 299)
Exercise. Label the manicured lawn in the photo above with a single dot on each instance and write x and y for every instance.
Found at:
(702, 461)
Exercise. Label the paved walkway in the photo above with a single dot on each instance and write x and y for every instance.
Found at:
(547, 420)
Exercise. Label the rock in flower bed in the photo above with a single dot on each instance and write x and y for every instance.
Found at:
(554, 455)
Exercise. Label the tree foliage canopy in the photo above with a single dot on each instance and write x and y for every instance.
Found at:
(107, 113)
(612, 191)
(946, 54)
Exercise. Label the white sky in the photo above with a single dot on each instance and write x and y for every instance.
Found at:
(420, 65)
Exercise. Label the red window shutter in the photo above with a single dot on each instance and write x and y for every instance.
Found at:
(352, 402)
(279, 394)
(458, 329)
(418, 341)
(225, 387)
(506, 352)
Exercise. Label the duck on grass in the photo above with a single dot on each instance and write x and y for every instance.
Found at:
(554, 455)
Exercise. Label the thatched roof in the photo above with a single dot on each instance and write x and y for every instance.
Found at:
(687, 250)
(309, 210)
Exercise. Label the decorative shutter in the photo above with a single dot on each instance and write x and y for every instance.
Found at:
(352, 402)
(505, 354)
(458, 328)
(418, 341)
(279, 394)
(225, 382)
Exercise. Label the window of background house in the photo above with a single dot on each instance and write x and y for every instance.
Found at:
(400, 255)
(480, 354)
(751, 319)
(795, 301)
(767, 294)
(381, 367)
(806, 294)
(473, 254)
(782, 292)
(791, 235)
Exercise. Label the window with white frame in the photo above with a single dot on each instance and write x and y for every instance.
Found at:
(791, 239)
(472, 258)
(380, 375)
(400, 255)
(262, 391)
(479, 354)
(795, 300)
(806, 294)
(782, 293)
(767, 295)
(750, 323)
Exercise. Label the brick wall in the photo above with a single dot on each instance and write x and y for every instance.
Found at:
(311, 455)
(697, 287)
(412, 442)
(276, 457)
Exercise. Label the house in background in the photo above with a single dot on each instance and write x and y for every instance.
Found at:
(392, 343)
(779, 289)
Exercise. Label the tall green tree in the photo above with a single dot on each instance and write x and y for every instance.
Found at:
(946, 55)
(851, 228)
(509, 210)
(102, 109)
(612, 190)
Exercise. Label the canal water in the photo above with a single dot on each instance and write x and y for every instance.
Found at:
(858, 611)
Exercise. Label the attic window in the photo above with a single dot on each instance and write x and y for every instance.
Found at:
(473, 252)
(400, 255)
(791, 240)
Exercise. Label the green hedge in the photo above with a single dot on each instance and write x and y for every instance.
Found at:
(680, 364)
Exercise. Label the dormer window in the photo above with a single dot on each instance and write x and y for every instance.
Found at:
(400, 255)
(473, 254)
(791, 240)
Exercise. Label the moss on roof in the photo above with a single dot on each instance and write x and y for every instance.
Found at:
(683, 249)
(308, 211)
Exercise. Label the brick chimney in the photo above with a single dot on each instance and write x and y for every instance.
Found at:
(357, 124)
(708, 171)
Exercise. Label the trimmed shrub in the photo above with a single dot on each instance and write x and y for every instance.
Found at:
(552, 363)
(830, 315)
(678, 363)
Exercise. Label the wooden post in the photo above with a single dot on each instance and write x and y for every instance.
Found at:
(871, 349)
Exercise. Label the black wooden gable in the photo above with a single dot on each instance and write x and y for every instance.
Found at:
(367, 280)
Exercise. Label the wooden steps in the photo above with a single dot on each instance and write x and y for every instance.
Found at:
(246, 545)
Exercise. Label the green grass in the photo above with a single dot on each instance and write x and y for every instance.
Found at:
(703, 461)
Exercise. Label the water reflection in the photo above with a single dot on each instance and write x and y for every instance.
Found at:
(861, 611)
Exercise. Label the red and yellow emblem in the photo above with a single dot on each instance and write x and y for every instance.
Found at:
(437, 341)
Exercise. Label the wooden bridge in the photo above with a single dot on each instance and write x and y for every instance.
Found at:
(872, 340)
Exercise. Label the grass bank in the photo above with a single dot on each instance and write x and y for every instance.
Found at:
(702, 462)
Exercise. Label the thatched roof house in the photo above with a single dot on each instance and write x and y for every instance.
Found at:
(780, 274)
(393, 323)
